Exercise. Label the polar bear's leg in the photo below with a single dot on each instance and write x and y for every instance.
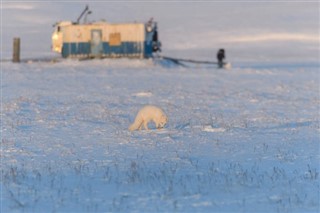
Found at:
(145, 125)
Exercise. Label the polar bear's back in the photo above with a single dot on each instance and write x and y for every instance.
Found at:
(150, 111)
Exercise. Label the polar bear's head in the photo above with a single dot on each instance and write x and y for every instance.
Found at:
(163, 121)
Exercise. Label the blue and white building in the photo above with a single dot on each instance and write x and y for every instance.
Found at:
(103, 39)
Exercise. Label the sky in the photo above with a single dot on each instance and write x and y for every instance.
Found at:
(184, 27)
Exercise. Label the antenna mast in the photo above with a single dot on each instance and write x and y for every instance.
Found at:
(83, 12)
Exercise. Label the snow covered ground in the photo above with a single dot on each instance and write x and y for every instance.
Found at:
(238, 140)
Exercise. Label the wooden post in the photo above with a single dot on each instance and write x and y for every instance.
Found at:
(16, 50)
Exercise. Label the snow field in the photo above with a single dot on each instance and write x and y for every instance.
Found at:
(244, 139)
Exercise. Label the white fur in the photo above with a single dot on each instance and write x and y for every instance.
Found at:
(146, 114)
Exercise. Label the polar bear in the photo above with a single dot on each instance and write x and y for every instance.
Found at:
(146, 114)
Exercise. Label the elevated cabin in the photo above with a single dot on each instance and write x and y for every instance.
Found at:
(102, 39)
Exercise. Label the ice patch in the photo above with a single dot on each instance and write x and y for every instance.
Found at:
(212, 129)
(254, 100)
(143, 94)
(204, 203)
(275, 198)
(156, 131)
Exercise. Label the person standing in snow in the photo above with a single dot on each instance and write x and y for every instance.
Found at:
(220, 57)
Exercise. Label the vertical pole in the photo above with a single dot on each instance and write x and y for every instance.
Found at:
(16, 50)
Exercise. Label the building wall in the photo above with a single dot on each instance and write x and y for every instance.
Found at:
(117, 40)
